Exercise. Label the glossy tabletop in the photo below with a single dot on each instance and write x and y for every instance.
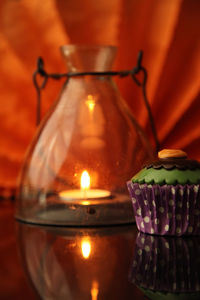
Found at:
(94, 263)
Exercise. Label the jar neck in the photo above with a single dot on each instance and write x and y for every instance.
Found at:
(88, 58)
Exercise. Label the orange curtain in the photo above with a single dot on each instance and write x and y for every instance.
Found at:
(166, 30)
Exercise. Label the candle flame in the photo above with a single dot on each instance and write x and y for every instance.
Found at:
(86, 248)
(85, 180)
(90, 103)
(94, 290)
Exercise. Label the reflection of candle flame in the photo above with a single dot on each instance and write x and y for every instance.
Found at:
(86, 248)
(94, 290)
(85, 180)
(90, 103)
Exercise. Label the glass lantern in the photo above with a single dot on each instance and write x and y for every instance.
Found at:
(85, 150)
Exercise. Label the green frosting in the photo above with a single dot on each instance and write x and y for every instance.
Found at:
(170, 296)
(171, 177)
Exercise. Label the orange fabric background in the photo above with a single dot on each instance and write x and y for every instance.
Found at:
(166, 30)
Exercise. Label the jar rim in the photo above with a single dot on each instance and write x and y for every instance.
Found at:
(91, 58)
(87, 46)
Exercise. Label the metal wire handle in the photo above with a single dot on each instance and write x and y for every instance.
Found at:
(124, 73)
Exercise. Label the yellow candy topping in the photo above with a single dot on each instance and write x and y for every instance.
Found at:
(172, 153)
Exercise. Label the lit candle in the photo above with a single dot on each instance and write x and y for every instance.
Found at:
(86, 247)
(84, 192)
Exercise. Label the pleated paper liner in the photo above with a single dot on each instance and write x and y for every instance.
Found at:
(166, 210)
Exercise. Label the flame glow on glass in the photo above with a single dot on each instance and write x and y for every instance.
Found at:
(90, 103)
(86, 247)
(85, 180)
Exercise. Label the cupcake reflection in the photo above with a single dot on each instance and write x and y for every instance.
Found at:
(167, 267)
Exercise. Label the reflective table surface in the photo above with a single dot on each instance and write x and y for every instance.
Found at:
(99, 263)
(69, 263)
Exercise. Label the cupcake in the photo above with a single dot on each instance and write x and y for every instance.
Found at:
(165, 268)
(166, 195)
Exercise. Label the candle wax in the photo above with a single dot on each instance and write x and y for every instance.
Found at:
(84, 194)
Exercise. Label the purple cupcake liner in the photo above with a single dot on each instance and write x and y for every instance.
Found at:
(166, 264)
(167, 209)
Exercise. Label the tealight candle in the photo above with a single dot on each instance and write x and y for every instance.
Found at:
(84, 192)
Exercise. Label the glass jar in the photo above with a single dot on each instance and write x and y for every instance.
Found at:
(85, 150)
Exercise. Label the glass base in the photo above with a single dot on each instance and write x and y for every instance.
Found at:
(84, 213)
